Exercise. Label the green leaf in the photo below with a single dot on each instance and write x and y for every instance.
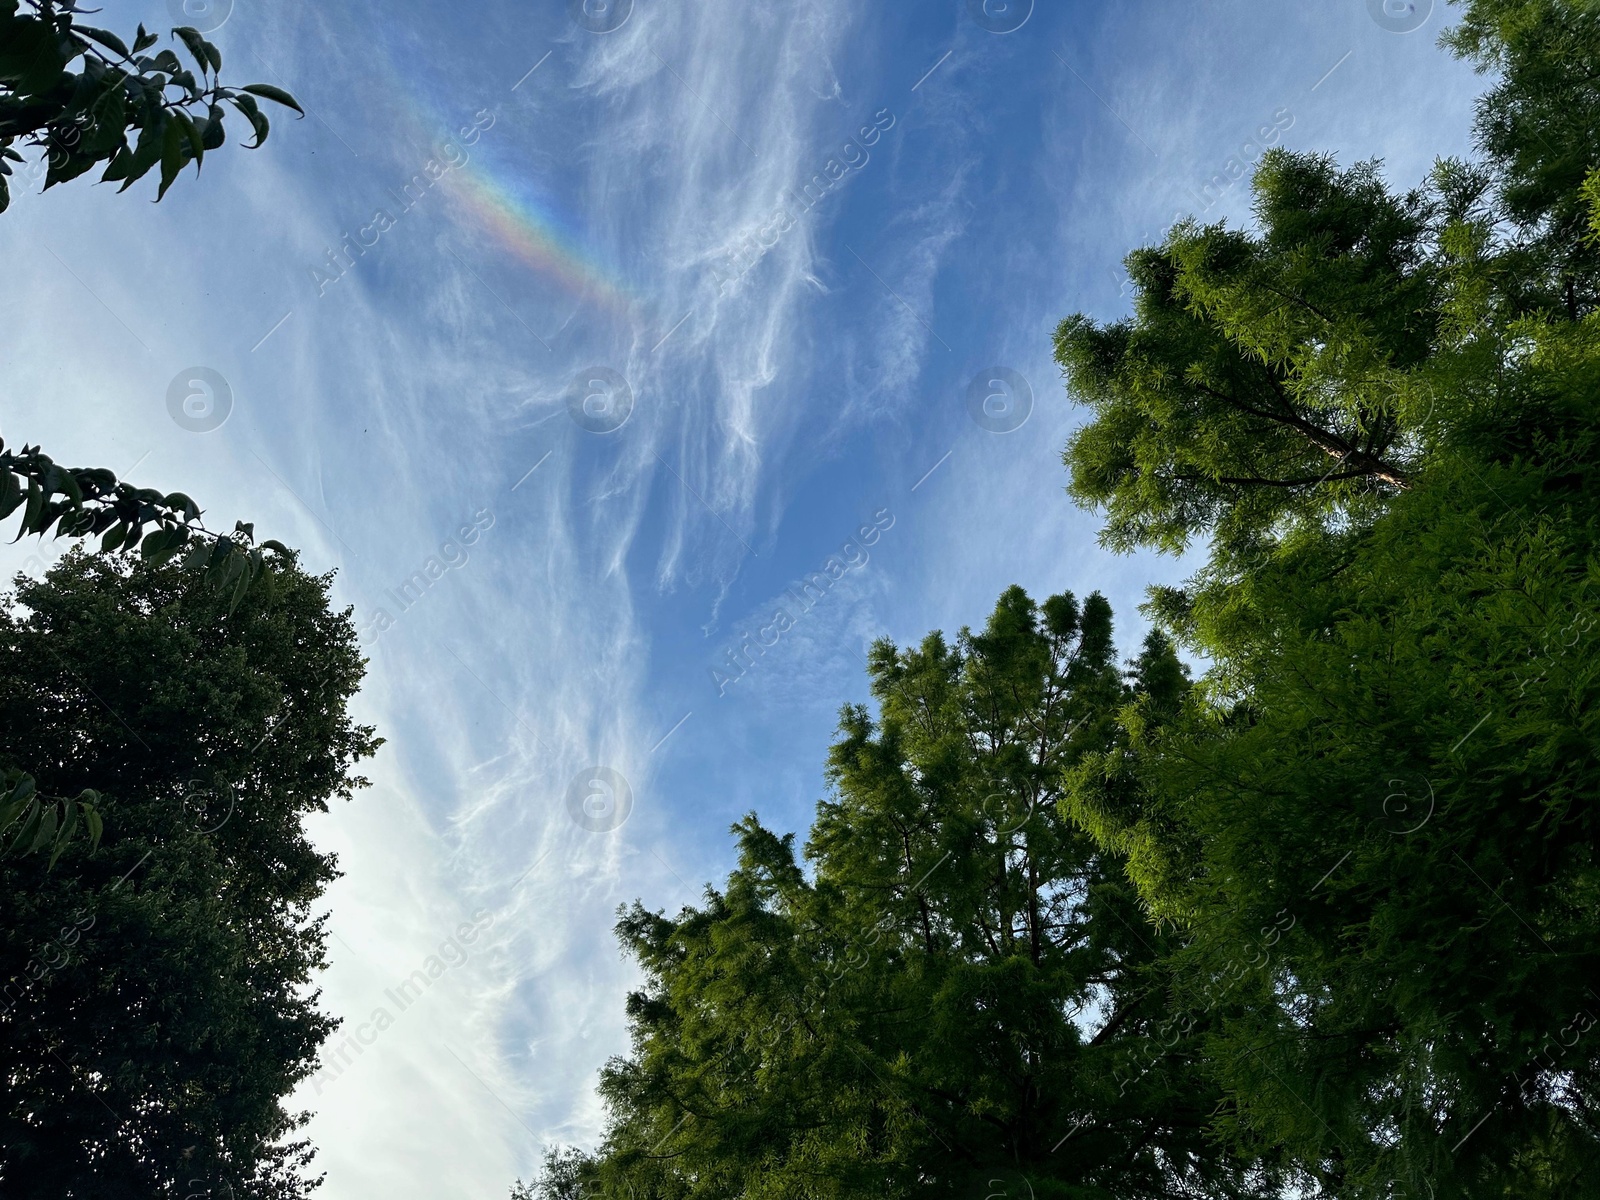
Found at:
(252, 113)
(172, 142)
(267, 92)
(16, 800)
(10, 812)
(30, 515)
(107, 39)
(211, 132)
(76, 523)
(46, 832)
(119, 166)
(10, 494)
(179, 500)
(154, 543)
(234, 567)
(30, 826)
(196, 44)
(196, 143)
(69, 826)
(180, 540)
(239, 590)
(113, 537)
(148, 150)
(91, 818)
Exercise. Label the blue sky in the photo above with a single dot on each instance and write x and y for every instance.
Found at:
(592, 206)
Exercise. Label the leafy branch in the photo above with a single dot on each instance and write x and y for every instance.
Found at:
(88, 502)
(84, 117)
(43, 820)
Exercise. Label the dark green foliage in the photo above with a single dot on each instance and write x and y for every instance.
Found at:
(81, 93)
(31, 821)
(89, 502)
(962, 997)
(157, 1000)
(85, 502)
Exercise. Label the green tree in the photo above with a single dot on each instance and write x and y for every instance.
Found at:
(1395, 759)
(89, 502)
(1373, 820)
(79, 92)
(960, 997)
(1267, 379)
(1536, 127)
(157, 996)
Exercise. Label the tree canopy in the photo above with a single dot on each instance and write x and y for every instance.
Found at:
(156, 996)
(1394, 746)
(954, 993)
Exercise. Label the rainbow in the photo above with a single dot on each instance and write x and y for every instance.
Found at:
(503, 205)
(531, 234)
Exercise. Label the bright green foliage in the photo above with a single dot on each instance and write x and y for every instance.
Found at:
(156, 999)
(1264, 380)
(1374, 821)
(1537, 128)
(82, 117)
(961, 996)
(1397, 768)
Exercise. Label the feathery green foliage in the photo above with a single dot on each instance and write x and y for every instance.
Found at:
(959, 997)
(1394, 752)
